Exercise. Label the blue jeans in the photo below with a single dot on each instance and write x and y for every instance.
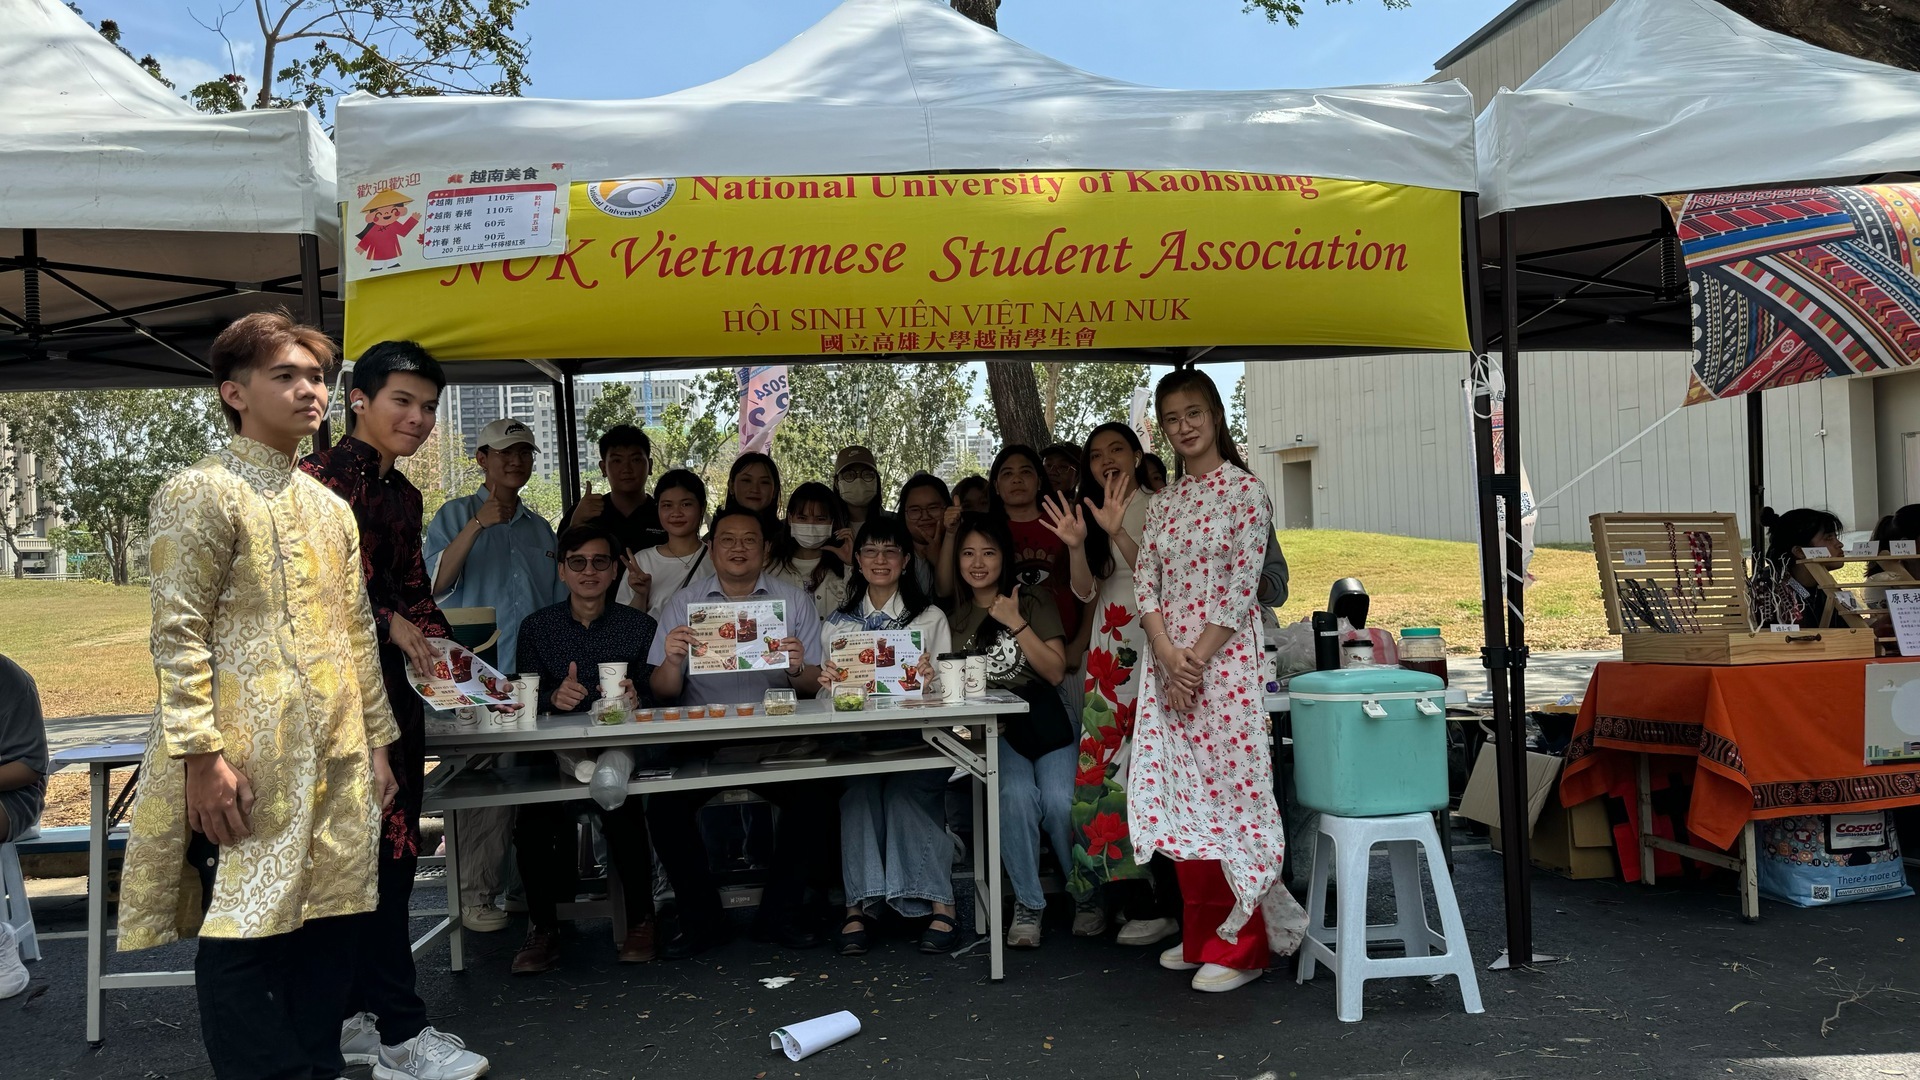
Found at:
(893, 841)
(1035, 796)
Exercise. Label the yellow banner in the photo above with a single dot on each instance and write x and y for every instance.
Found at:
(949, 263)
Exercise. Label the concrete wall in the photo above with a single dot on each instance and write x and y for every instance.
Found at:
(1519, 48)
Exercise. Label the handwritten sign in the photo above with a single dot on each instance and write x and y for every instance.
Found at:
(1633, 556)
(1901, 547)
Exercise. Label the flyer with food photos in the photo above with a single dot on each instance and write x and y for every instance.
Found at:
(460, 678)
(733, 636)
(896, 663)
(850, 667)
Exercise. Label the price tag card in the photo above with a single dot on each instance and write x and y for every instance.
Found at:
(1904, 606)
(737, 636)
(1633, 556)
(1815, 553)
(1863, 548)
(468, 223)
(1901, 547)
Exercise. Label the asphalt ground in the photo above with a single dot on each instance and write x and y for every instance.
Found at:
(1661, 982)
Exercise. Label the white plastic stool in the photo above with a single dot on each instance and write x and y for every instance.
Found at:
(13, 884)
(1344, 947)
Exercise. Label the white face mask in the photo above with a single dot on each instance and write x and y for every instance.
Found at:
(859, 491)
(811, 536)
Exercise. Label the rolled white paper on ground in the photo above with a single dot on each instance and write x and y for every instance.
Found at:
(812, 1036)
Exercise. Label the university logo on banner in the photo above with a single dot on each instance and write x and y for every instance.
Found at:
(764, 392)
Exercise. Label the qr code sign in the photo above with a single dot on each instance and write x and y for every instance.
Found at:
(1822, 894)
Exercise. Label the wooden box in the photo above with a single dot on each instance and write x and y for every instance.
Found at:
(1696, 562)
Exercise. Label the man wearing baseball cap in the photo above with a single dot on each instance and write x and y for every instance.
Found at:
(489, 549)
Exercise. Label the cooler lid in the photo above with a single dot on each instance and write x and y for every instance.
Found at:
(1346, 682)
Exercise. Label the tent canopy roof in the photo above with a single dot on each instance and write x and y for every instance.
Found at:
(891, 86)
(1662, 96)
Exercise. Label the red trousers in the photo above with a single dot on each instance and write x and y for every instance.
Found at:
(1208, 900)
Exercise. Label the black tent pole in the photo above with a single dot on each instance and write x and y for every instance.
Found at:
(1510, 738)
(569, 443)
(1756, 469)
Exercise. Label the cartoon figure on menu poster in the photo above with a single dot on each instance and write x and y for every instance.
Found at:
(388, 219)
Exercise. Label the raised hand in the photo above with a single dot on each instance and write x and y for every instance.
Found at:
(570, 693)
(950, 520)
(841, 545)
(1065, 519)
(1005, 610)
(492, 512)
(680, 641)
(639, 581)
(1112, 513)
(590, 505)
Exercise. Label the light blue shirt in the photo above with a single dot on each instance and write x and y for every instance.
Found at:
(803, 622)
(510, 568)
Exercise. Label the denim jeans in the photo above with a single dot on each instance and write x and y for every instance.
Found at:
(1035, 796)
(893, 841)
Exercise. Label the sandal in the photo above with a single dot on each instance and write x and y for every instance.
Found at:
(933, 940)
(852, 938)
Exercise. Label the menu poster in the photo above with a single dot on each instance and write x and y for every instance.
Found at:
(896, 662)
(1892, 726)
(460, 678)
(737, 636)
(850, 667)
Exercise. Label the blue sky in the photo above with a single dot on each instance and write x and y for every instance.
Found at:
(639, 48)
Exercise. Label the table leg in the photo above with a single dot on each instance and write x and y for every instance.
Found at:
(1646, 820)
(996, 942)
(1749, 874)
(979, 845)
(98, 775)
(456, 940)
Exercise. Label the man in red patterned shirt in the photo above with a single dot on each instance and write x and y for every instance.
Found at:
(393, 405)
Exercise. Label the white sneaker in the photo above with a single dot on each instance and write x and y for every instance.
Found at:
(1215, 979)
(1088, 919)
(1024, 931)
(360, 1040)
(1147, 931)
(430, 1055)
(1175, 959)
(483, 918)
(13, 972)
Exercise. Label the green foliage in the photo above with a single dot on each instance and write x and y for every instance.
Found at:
(1291, 10)
(542, 496)
(1237, 412)
(612, 408)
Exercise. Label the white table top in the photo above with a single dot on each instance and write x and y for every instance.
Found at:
(814, 716)
(126, 753)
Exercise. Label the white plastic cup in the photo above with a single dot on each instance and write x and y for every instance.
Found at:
(526, 693)
(953, 678)
(976, 678)
(610, 676)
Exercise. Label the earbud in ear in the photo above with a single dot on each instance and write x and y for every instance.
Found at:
(359, 406)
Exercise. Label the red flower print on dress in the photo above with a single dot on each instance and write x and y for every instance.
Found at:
(1114, 618)
(1093, 774)
(1107, 673)
(1104, 834)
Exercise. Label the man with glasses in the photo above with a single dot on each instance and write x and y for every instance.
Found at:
(490, 549)
(806, 808)
(564, 645)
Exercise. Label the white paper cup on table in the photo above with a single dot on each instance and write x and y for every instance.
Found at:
(467, 716)
(953, 678)
(976, 675)
(610, 676)
(526, 693)
(812, 1036)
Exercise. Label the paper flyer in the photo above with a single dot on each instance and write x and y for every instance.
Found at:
(896, 663)
(423, 218)
(850, 667)
(460, 678)
(737, 636)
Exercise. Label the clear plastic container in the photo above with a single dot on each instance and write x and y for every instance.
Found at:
(1422, 649)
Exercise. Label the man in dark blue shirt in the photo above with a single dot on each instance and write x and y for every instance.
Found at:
(564, 645)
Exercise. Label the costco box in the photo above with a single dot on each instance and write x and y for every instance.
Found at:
(1573, 842)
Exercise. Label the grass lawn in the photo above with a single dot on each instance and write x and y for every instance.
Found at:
(84, 643)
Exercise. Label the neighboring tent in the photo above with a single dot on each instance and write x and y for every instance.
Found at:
(891, 86)
(175, 222)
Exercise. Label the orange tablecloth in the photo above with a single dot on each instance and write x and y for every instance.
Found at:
(1769, 740)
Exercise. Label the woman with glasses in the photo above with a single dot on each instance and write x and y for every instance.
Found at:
(818, 543)
(1200, 789)
(893, 828)
(923, 503)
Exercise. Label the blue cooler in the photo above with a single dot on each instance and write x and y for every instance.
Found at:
(1369, 741)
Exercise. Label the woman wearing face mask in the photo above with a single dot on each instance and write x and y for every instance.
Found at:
(1200, 787)
(857, 480)
(1019, 630)
(754, 482)
(817, 547)
(923, 505)
(1106, 528)
(893, 828)
(655, 574)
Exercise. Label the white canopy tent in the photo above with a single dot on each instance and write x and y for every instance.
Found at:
(1654, 97)
(132, 228)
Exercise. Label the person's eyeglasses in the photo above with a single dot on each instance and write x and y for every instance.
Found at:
(882, 553)
(579, 563)
(1194, 417)
(925, 511)
(742, 542)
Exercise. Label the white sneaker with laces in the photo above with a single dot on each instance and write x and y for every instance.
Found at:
(484, 918)
(1147, 931)
(13, 971)
(360, 1040)
(1175, 959)
(1218, 979)
(430, 1055)
(1024, 931)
